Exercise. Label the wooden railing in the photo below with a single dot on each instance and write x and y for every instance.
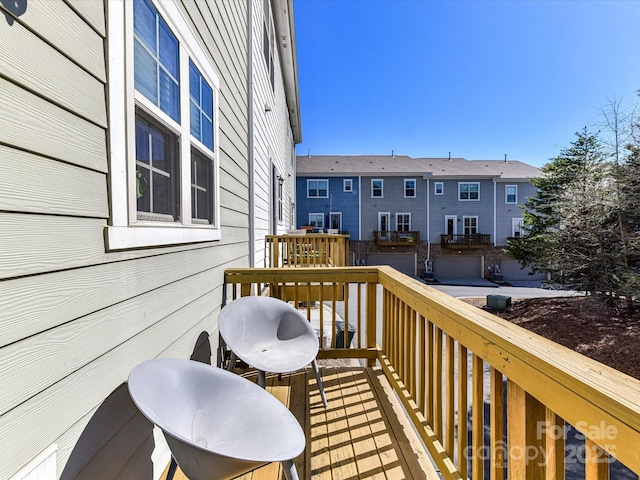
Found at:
(310, 250)
(488, 398)
(476, 240)
(393, 238)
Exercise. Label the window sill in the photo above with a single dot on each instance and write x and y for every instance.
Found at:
(131, 237)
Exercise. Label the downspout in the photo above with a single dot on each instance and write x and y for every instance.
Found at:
(252, 232)
(494, 210)
(359, 209)
(428, 223)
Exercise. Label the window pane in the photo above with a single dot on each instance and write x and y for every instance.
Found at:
(145, 73)
(169, 96)
(207, 99)
(194, 83)
(207, 132)
(168, 49)
(161, 194)
(195, 120)
(142, 190)
(322, 189)
(201, 187)
(159, 158)
(144, 23)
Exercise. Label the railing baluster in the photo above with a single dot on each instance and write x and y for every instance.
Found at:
(477, 418)
(412, 353)
(359, 319)
(372, 302)
(554, 445)
(422, 377)
(596, 461)
(345, 333)
(431, 397)
(496, 416)
(525, 443)
(437, 384)
(321, 313)
(463, 408)
(450, 396)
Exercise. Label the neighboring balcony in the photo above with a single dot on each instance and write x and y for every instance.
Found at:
(308, 250)
(487, 398)
(393, 238)
(465, 242)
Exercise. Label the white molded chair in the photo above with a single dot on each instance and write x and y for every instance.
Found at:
(269, 335)
(218, 425)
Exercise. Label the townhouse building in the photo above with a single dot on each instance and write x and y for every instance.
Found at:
(446, 217)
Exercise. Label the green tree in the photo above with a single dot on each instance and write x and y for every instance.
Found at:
(546, 243)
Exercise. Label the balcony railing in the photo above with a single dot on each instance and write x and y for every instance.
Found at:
(462, 242)
(310, 250)
(392, 238)
(453, 365)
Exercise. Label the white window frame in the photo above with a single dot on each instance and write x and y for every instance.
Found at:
(339, 215)
(455, 224)
(398, 223)
(435, 188)
(506, 196)
(125, 230)
(347, 184)
(415, 187)
(517, 225)
(381, 187)
(468, 199)
(464, 224)
(317, 189)
(321, 215)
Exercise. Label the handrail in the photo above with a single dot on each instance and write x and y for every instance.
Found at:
(392, 237)
(438, 351)
(469, 240)
(310, 250)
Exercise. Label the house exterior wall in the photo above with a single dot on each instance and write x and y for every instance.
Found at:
(273, 139)
(78, 317)
(507, 212)
(337, 201)
(448, 204)
(393, 202)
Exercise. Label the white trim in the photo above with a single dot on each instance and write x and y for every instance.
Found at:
(319, 214)
(359, 208)
(381, 180)
(517, 221)
(43, 467)
(126, 231)
(495, 212)
(415, 187)
(344, 185)
(340, 222)
(455, 224)
(317, 189)
(380, 215)
(403, 213)
(435, 188)
(506, 197)
(469, 199)
(464, 227)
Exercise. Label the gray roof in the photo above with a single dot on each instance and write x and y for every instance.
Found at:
(397, 165)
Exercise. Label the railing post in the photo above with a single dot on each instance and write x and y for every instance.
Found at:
(526, 421)
(371, 319)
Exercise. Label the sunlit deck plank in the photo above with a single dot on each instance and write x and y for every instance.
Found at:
(358, 436)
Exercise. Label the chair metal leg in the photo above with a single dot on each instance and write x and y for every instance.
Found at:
(232, 362)
(314, 364)
(290, 471)
(261, 379)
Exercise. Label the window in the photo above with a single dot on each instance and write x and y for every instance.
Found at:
(316, 220)
(517, 227)
(469, 191)
(163, 129)
(347, 185)
(511, 193)
(318, 188)
(409, 187)
(377, 188)
(470, 225)
(335, 220)
(268, 41)
(279, 195)
(403, 222)
(438, 188)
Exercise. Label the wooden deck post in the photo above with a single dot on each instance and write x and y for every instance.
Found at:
(526, 421)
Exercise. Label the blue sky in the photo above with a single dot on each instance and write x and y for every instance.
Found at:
(479, 79)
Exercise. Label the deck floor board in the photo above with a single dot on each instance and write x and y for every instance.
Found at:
(359, 435)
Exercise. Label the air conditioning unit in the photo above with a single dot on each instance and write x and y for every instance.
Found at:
(498, 302)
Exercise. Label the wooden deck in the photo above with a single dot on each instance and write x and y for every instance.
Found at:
(363, 434)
